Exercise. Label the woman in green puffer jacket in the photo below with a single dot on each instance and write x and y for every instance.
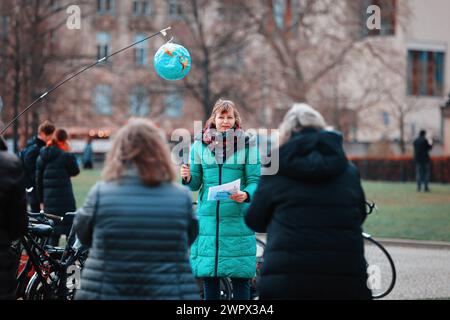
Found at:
(225, 246)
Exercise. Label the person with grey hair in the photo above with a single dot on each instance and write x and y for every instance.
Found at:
(312, 210)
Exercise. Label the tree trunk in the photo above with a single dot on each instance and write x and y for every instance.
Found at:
(17, 86)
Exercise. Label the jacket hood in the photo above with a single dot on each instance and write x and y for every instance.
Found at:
(313, 155)
(49, 153)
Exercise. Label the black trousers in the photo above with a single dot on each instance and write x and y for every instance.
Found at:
(423, 171)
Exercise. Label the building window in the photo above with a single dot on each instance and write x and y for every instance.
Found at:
(105, 7)
(234, 59)
(388, 17)
(173, 104)
(425, 73)
(141, 8)
(3, 26)
(103, 45)
(285, 13)
(175, 8)
(229, 12)
(139, 102)
(55, 5)
(413, 129)
(103, 99)
(140, 51)
(386, 119)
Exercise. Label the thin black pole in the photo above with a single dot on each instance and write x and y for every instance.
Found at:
(163, 32)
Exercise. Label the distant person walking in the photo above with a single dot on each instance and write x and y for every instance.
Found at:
(88, 155)
(422, 160)
(29, 157)
(54, 168)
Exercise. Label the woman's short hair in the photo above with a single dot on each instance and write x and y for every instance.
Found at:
(139, 144)
(222, 106)
(300, 116)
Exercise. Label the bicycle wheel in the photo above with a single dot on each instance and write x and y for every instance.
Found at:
(260, 247)
(37, 291)
(380, 268)
(226, 290)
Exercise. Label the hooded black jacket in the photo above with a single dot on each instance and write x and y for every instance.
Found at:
(312, 211)
(53, 171)
(13, 219)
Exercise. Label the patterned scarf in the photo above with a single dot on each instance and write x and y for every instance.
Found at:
(214, 139)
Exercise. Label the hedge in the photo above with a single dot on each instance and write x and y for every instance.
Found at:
(400, 168)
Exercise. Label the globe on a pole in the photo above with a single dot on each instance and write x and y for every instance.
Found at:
(172, 61)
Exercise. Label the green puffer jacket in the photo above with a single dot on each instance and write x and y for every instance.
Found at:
(225, 246)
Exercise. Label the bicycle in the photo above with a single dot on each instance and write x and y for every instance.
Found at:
(380, 267)
(45, 273)
(381, 271)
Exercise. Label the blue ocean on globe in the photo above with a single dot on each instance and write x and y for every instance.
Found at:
(172, 61)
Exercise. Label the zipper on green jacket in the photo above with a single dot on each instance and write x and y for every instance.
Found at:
(217, 226)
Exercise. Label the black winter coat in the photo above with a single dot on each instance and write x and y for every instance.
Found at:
(312, 211)
(139, 238)
(53, 171)
(29, 157)
(13, 219)
(421, 150)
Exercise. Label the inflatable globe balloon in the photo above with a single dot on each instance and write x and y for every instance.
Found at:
(172, 61)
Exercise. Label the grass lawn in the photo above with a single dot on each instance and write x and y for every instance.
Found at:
(403, 212)
(407, 214)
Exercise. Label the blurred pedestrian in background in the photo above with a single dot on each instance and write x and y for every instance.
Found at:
(54, 168)
(422, 159)
(88, 161)
(29, 157)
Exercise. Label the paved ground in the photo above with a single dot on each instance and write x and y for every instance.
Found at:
(422, 273)
(423, 269)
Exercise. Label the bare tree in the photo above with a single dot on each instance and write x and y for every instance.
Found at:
(29, 52)
(217, 35)
(312, 44)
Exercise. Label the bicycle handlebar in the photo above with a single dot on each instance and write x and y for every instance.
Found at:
(370, 206)
(45, 216)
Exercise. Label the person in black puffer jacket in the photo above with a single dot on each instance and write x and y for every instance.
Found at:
(13, 218)
(29, 157)
(138, 224)
(54, 168)
(312, 211)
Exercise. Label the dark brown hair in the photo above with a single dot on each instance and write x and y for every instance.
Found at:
(47, 128)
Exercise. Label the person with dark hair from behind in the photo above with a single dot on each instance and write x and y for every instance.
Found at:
(422, 160)
(312, 210)
(54, 168)
(13, 218)
(29, 156)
